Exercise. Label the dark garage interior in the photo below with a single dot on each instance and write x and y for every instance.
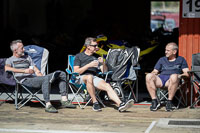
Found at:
(62, 25)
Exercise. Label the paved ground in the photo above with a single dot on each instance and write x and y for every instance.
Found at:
(138, 119)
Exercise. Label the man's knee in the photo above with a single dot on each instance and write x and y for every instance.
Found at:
(150, 77)
(174, 78)
(88, 79)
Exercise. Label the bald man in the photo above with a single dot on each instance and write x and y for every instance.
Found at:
(167, 73)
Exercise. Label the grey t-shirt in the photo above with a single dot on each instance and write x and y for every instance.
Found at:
(21, 63)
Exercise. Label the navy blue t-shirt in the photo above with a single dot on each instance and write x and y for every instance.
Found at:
(166, 67)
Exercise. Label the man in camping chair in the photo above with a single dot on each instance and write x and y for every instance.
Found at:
(19, 63)
(170, 69)
(87, 66)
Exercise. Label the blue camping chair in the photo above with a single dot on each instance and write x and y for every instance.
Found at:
(7, 83)
(39, 56)
(76, 88)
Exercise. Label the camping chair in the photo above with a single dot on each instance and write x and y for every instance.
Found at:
(195, 79)
(76, 88)
(39, 56)
(7, 83)
(124, 65)
(180, 96)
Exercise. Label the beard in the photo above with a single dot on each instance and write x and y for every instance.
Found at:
(20, 53)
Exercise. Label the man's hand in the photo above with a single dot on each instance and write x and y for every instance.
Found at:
(30, 71)
(179, 76)
(94, 63)
(100, 59)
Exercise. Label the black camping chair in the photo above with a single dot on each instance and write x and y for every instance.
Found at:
(124, 66)
(7, 83)
(195, 80)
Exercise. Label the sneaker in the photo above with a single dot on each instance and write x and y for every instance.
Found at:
(124, 106)
(169, 106)
(67, 104)
(96, 107)
(51, 109)
(154, 105)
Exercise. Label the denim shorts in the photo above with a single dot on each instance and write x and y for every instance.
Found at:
(164, 79)
(96, 80)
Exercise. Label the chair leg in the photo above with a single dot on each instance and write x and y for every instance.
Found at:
(99, 99)
(194, 104)
(27, 98)
(132, 92)
(195, 87)
(181, 100)
(16, 96)
(75, 95)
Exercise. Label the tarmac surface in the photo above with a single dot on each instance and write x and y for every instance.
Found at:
(139, 119)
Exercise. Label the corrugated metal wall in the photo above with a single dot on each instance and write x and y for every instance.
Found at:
(189, 37)
(189, 41)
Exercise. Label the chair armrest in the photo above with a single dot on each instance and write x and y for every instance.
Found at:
(72, 73)
(11, 73)
(184, 80)
(192, 71)
(137, 68)
(68, 71)
(105, 73)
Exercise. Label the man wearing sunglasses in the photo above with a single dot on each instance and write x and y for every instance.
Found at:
(87, 66)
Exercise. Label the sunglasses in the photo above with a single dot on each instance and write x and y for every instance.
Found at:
(94, 45)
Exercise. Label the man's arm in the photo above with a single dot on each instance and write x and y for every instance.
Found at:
(185, 73)
(9, 68)
(37, 71)
(80, 70)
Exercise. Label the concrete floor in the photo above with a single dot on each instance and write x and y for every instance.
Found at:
(33, 119)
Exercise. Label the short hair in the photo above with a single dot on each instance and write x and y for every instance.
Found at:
(13, 44)
(89, 40)
(174, 45)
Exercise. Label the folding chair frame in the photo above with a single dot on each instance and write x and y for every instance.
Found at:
(5, 89)
(7, 83)
(195, 79)
(194, 86)
(162, 94)
(24, 100)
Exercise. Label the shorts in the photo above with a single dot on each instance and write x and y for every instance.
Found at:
(164, 79)
(96, 80)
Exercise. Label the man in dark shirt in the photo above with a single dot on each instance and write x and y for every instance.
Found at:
(87, 66)
(170, 69)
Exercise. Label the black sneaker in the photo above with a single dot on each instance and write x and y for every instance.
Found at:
(96, 107)
(169, 106)
(154, 105)
(124, 106)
